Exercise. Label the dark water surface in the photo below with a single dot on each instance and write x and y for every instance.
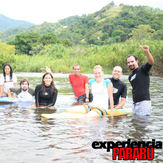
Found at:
(25, 138)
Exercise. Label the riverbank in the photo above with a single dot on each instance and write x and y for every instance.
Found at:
(61, 59)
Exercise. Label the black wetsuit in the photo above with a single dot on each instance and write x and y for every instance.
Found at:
(139, 80)
(119, 90)
(45, 99)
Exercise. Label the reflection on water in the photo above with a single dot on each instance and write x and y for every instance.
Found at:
(25, 138)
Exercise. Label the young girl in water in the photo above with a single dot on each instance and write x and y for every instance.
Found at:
(46, 93)
(7, 80)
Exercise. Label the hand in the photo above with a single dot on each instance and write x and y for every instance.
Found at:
(145, 48)
(111, 113)
(48, 69)
(87, 100)
(51, 107)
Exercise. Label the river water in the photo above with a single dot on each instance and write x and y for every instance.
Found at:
(26, 138)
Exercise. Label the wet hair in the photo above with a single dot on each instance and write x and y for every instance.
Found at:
(97, 67)
(11, 72)
(132, 55)
(23, 81)
(52, 86)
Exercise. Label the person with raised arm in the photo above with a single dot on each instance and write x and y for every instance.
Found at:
(140, 82)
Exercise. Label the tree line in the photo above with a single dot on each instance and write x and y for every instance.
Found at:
(32, 43)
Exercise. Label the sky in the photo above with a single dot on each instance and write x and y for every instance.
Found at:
(39, 11)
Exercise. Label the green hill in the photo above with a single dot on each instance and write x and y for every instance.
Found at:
(109, 25)
(8, 23)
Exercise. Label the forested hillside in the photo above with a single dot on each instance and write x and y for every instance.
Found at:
(105, 37)
(109, 25)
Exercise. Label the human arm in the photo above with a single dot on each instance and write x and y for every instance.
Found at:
(37, 96)
(87, 92)
(110, 93)
(48, 70)
(121, 104)
(71, 83)
(15, 81)
(54, 98)
(1, 90)
(15, 85)
(150, 59)
(1, 85)
(123, 97)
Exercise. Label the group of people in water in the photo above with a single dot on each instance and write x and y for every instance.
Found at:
(105, 93)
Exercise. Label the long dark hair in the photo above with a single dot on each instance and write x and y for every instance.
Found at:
(11, 72)
(52, 86)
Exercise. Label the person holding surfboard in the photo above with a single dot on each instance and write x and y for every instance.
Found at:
(79, 85)
(46, 93)
(7, 80)
(139, 80)
(101, 90)
(119, 88)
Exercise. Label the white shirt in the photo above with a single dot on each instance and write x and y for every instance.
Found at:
(100, 93)
(25, 96)
(8, 83)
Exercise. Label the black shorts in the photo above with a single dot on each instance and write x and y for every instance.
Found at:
(82, 98)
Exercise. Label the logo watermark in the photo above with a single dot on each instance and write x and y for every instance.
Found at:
(129, 150)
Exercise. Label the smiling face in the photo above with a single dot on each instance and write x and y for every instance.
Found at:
(7, 70)
(132, 63)
(47, 79)
(98, 73)
(117, 72)
(76, 69)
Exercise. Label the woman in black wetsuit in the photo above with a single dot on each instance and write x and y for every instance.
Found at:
(46, 93)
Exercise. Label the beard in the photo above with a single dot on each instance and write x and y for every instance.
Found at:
(132, 67)
(24, 89)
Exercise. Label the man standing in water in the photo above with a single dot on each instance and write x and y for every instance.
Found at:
(119, 88)
(139, 80)
(79, 85)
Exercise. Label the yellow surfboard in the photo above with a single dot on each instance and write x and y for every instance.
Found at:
(120, 112)
(66, 115)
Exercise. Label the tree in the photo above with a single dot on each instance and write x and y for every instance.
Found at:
(142, 32)
(118, 35)
(25, 42)
(158, 35)
(49, 38)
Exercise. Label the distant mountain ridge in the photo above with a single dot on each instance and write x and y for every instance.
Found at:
(109, 25)
(8, 23)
